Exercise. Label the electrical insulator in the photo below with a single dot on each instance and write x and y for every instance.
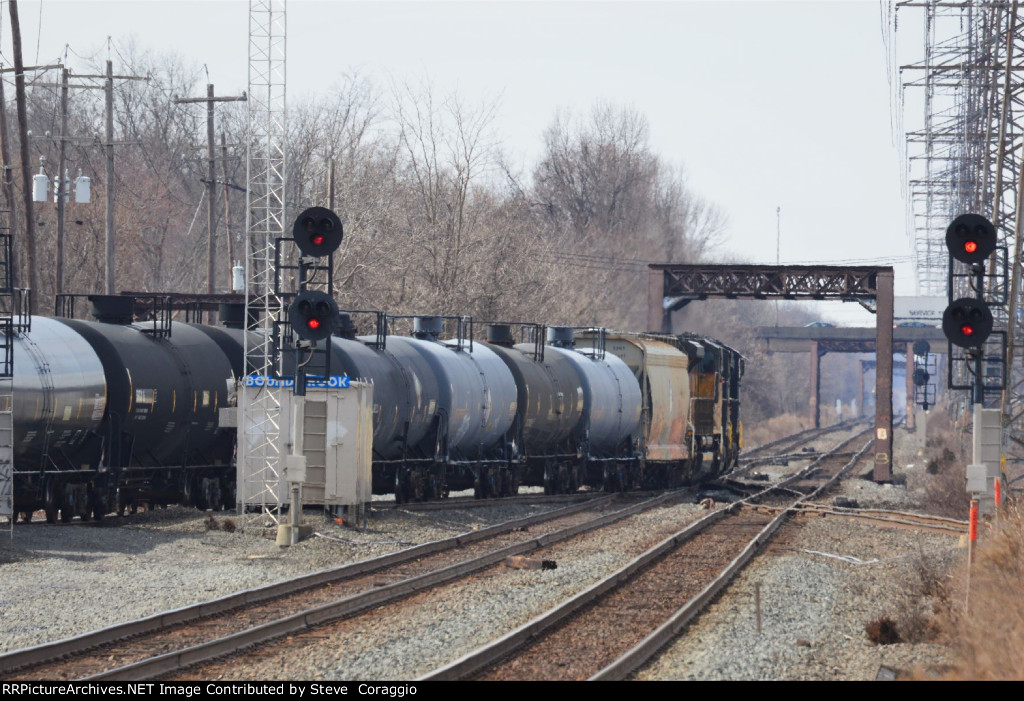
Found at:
(67, 189)
(83, 188)
(40, 184)
(237, 277)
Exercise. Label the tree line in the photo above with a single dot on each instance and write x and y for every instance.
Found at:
(436, 218)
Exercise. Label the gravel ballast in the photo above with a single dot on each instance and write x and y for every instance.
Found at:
(819, 588)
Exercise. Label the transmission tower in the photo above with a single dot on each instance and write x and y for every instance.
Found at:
(965, 156)
(259, 457)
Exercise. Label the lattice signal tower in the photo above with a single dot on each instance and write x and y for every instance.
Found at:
(259, 459)
(967, 157)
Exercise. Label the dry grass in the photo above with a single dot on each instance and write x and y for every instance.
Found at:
(989, 636)
(946, 467)
(882, 631)
(773, 429)
(212, 524)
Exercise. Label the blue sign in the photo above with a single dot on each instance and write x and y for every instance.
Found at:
(315, 381)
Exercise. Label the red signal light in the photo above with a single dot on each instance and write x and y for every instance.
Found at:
(967, 330)
(970, 246)
(317, 232)
(313, 324)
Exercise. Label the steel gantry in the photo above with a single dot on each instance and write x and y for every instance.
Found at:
(672, 286)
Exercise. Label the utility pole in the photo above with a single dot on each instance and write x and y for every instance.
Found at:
(26, 178)
(227, 204)
(110, 237)
(61, 179)
(7, 184)
(108, 146)
(211, 180)
(330, 185)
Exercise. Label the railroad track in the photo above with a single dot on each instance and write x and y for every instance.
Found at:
(658, 593)
(787, 444)
(172, 641)
(468, 502)
(924, 522)
(74, 652)
(172, 655)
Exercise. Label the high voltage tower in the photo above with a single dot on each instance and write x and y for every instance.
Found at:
(965, 155)
(260, 421)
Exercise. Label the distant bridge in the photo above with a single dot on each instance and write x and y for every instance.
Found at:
(818, 341)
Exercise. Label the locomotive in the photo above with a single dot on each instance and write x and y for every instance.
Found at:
(114, 412)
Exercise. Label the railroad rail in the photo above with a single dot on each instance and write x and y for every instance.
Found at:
(758, 453)
(926, 522)
(246, 628)
(430, 574)
(582, 639)
(469, 502)
(37, 657)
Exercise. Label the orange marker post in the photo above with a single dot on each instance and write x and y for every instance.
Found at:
(999, 491)
(972, 537)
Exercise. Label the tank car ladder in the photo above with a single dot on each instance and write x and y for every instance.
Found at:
(13, 319)
(7, 419)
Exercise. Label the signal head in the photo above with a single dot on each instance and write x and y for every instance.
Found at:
(313, 315)
(317, 232)
(921, 377)
(971, 238)
(967, 322)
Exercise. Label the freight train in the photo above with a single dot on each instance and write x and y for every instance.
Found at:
(114, 412)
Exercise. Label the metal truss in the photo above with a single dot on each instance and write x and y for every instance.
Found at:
(672, 286)
(259, 429)
(763, 281)
(966, 157)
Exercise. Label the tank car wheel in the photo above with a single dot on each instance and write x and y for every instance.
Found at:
(123, 503)
(189, 491)
(400, 487)
(51, 502)
(495, 488)
(433, 488)
(608, 481)
(509, 482)
(215, 499)
(97, 505)
(26, 517)
(417, 488)
(227, 493)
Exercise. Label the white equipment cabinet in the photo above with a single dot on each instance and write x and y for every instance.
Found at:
(337, 442)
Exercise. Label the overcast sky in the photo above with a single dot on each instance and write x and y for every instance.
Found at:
(766, 104)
